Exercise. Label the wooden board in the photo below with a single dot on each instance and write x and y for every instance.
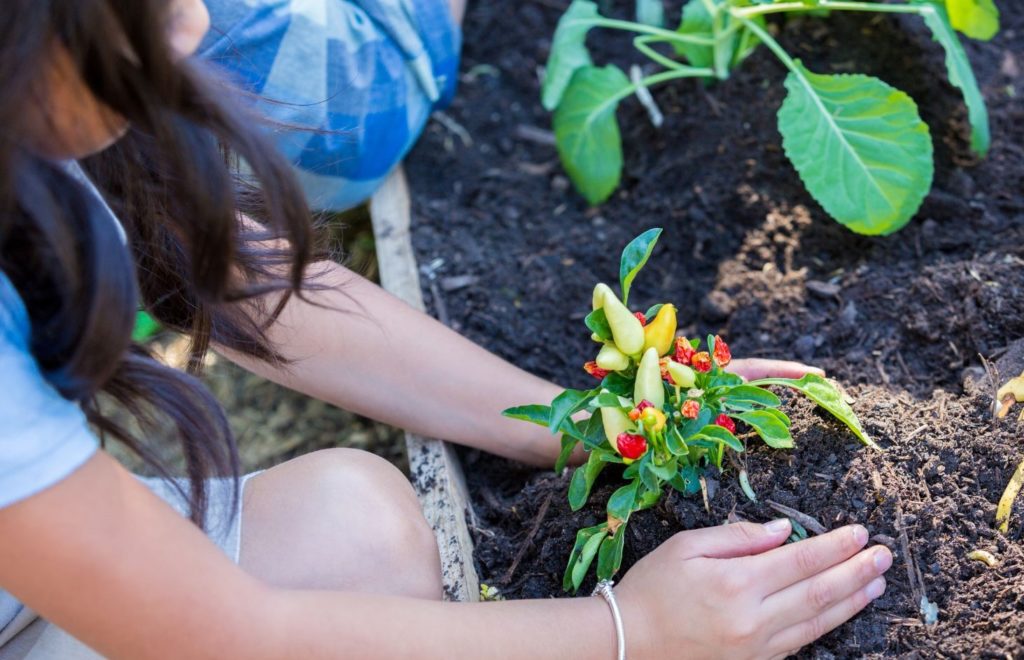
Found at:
(433, 466)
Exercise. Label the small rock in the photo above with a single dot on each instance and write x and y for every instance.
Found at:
(848, 317)
(457, 282)
(856, 355)
(823, 289)
(559, 183)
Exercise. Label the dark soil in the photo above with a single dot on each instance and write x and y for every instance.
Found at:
(900, 321)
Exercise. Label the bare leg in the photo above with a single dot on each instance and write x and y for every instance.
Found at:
(339, 519)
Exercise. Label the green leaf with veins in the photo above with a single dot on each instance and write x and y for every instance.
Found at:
(568, 445)
(750, 394)
(696, 22)
(823, 393)
(634, 257)
(568, 51)
(588, 541)
(859, 146)
(587, 132)
(567, 403)
(958, 68)
(769, 427)
(623, 501)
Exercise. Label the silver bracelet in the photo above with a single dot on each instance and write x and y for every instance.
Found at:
(604, 590)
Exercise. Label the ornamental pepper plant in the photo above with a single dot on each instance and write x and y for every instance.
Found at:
(858, 144)
(664, 410)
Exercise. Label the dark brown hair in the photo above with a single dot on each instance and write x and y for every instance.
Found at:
(172, 182)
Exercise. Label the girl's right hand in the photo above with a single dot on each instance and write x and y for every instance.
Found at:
(732, 592)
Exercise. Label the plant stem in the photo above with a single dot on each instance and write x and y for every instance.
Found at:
(834, 5)
(640, 43)
(773, 45)
(667, 35)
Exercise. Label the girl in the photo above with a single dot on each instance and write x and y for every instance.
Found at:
(324, 556)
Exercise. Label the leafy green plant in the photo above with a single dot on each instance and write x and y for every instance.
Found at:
(858, 144)
(664, 408)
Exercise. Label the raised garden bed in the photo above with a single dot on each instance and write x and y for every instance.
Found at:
(512, 253)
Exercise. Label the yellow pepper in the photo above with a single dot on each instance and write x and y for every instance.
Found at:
(653, 420)
(615, 422)
(648, 380)
(627, 331)
(682, 375)
(661, 332)
(610, 358)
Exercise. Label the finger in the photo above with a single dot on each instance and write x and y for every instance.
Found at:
(817, 594)
(805, 632)
(796, 562)
(735, 540)
(754, 368)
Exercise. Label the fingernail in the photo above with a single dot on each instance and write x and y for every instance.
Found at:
(860, 534)
(777, 526)
(875, 588)
(882, 560)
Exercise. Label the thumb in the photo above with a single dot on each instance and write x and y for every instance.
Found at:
(735, 540)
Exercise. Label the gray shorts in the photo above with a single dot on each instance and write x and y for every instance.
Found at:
(29, 637)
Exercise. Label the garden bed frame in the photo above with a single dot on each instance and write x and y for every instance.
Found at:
(433, 465)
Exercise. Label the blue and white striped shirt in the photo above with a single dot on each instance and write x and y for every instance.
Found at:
(350, 83)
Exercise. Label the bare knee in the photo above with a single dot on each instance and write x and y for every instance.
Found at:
(339, 519)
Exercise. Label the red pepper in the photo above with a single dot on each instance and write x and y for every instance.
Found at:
(701, 362)
(723, 355)
(631, 446)
(640, 317)
(690, 409)
(684, 352)
(594, 370)
(726, 423)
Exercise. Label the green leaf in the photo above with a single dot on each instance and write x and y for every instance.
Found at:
(750, 394)
(675, 443)
(588, 540)
(623, 501)
(598, 324)
(568, 51)
(609, 559)
(583, 480)
(568, 445)
(716, 433)
(958, 68)
(653, 311)
(859, 146)
(650, 12)
(666, 471)
(648, 499)
(687, 481)
(647, 476)
(822, 392)
(693, 426)
(769, 427)
(634, 256)
(587, 132)
(781, 416)
(567, 403)
(535, 413)
(593, 431)
(696, 22)
(978, 19)
(725, 379)
(619, 384)
(608, 400)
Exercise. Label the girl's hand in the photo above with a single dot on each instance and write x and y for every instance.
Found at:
(732, 592)
(754, 368)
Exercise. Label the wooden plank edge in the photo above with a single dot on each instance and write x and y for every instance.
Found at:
(433, 465)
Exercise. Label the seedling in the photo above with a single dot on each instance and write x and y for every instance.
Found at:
(665, 408)
(858, 144)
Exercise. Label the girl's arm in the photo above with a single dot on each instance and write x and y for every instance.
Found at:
(360, 348)
(100, 556)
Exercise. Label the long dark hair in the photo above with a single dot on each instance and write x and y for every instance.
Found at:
(172, 180)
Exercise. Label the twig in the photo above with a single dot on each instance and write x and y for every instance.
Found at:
(802, 518)
(534, 134)
(528, 541)
(643, 94)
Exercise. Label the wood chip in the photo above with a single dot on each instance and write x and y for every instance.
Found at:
(802, 518)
